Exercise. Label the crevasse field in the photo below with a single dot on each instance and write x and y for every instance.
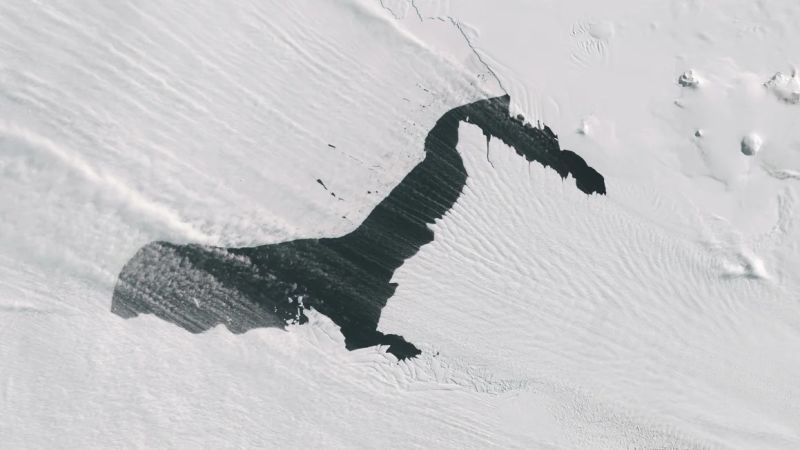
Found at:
(664, 314)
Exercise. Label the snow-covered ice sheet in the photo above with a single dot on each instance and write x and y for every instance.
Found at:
(662, 315)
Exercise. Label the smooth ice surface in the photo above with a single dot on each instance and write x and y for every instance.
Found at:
(662, 315)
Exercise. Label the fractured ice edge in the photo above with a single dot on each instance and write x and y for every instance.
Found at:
(347, 278)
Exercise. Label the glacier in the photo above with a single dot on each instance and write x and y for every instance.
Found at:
(663, 314)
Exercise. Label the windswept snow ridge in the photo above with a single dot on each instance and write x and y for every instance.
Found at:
(346, 278)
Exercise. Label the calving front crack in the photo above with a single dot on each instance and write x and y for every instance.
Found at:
(460, 29)
(478, 55)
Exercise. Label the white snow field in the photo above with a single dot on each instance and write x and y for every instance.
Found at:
(665, 314)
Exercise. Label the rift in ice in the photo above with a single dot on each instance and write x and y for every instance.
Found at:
(347, 278)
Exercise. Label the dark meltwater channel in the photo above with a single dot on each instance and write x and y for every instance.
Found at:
(347, 278)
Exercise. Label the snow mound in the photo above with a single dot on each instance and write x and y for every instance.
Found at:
(785, 87)
(689, 79)
(751, 144)
(603, 30)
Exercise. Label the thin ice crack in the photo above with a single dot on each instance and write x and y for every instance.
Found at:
(488, 138)
(455, 23)
(478, 55)
(390, 10)
(419, 14)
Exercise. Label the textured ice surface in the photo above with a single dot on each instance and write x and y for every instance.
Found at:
(662, 315)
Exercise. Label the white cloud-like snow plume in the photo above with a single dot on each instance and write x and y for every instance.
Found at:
(662, 315)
